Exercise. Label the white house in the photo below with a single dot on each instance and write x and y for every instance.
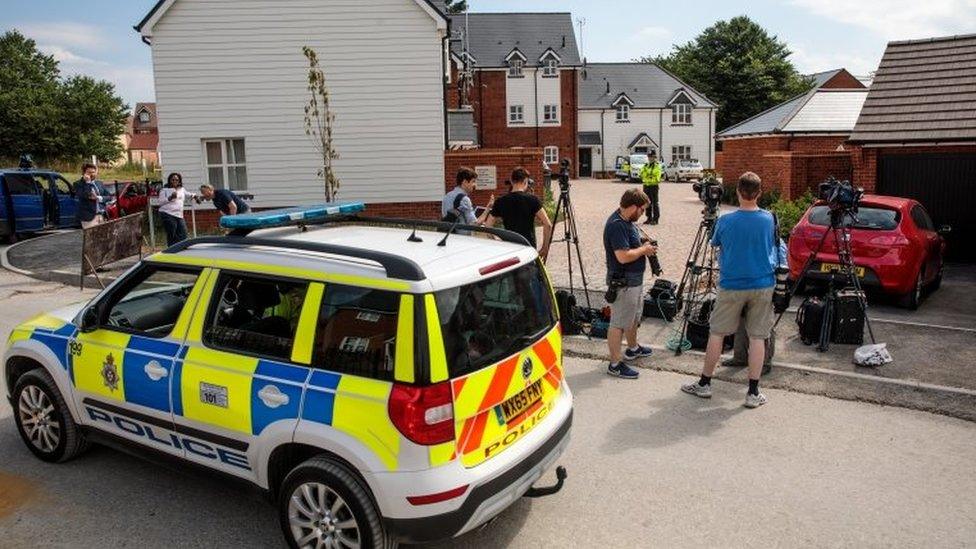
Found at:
(627, 108)
(231, 85)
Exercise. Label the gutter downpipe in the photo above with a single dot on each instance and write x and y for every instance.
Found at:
(603, 142)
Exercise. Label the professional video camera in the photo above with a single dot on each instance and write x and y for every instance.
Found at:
(840, 195)
(710, 192)
(563, 175)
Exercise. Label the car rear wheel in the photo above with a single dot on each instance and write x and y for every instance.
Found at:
(43, 419)
(937, 283)
(322, 504)
(913, 299)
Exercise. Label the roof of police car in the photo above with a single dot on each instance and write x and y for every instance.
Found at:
(461, 253)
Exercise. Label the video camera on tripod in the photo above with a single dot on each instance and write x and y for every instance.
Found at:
(841, 196)
(710, 191)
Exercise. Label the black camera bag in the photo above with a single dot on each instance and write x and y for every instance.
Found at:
(661, 300)
(848, 321)
(810, 320)
(569, 314)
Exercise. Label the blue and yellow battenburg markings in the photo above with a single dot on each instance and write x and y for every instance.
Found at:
(270, 219)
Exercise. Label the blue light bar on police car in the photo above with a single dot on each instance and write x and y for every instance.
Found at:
(289, 216)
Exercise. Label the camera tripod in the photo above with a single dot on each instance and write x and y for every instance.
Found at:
(700, 274)
(846, 268)
(570, 236)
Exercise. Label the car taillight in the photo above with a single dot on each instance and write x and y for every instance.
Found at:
(425, 415)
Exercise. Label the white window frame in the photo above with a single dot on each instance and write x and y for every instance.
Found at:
(145, 114)
(623, 113)
(352, 344)
(680, 152)
(550, 114)
(551, 155)
(681, 114)
(225, 165)
(516, 114)
(515, 67)
(551, 68)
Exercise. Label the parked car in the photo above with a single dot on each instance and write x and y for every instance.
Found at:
(896, 247)
(34, 200)
(628, 168)
(132, 198)
(684, 170)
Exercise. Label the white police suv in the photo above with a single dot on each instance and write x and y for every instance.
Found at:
(383, 380)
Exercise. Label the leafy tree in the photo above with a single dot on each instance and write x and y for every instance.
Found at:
(28, 98)
(739, 65)
(50, 117)
(456, 6)
(93, 117)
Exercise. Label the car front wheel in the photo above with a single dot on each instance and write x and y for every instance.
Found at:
(322, 504)
(43, 419)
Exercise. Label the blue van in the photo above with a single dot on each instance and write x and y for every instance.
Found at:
(35, 200)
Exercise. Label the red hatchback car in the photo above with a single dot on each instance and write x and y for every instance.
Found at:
(896, 247)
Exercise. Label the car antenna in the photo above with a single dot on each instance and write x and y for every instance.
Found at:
(413, 236)
(450, 231)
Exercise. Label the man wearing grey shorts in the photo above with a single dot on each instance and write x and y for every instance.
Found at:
(626, 258)
(747, 260)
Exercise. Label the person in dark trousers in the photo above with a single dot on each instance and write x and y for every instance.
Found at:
(519, 211)
(626, 257)
(226, 202)
(747, 259)
(92, 197)
(651, 179)
(172, 199)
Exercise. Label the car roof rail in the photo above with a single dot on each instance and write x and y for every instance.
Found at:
(396, 267)
(442, 226)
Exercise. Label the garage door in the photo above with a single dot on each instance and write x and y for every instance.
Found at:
(945, 184)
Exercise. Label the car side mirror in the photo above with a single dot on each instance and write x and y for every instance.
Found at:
(89, 320)
(945, 229)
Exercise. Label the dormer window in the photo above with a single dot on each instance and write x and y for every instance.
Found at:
(623, 113)
(551, 68)
(681, 114)
(515, 67)
(144, 117)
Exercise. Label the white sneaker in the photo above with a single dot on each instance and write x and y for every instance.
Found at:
(700, 391)
(755, 401)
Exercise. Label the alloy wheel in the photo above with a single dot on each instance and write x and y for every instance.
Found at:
(320, 519)
(37, 415)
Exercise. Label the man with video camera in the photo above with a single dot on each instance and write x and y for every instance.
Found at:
(747, 264)
(626, 255)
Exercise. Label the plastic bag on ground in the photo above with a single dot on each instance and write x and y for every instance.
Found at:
(873, 355)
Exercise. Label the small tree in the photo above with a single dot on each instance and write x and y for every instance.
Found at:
(456, 6)
(318, 123)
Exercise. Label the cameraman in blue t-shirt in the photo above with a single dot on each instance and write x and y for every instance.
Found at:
(626, 255)
(748, 244)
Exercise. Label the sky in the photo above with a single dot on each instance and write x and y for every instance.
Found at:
(95, 37)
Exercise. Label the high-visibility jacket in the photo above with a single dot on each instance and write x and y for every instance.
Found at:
(651, 174)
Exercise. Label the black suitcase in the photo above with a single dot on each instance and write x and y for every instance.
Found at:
(810, 320)
(568, 314)
(661, 300)
(848, 321)
(698, 330)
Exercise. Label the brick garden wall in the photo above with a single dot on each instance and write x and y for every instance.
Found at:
(504, 160)
(789, 164)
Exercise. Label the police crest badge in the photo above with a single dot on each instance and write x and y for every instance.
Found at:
(110, 373)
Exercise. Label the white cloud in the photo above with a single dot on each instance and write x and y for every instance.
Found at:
(813, 60)
(899, 19)
(75, 35)
(67, 57)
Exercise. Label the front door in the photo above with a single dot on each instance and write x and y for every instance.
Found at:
(586, 162)
(243, 376)
(122, 370)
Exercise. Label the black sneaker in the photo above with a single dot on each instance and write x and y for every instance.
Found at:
(623, 371)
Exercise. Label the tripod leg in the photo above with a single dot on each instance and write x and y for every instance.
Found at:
(574, 234)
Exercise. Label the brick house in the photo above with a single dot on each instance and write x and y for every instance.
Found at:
(797, 144)
(141, 139)
(630, 108)
(916, 135)
(517, 76)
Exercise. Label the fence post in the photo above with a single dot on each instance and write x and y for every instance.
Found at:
(193, 216)
(152, 226)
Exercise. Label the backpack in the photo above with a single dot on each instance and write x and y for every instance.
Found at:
(454, 214)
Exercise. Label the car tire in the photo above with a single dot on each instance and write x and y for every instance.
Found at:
(913, 298)
(937, 283)
(319, 499)
(44, 420)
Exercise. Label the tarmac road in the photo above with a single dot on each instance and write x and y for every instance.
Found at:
(648, 466)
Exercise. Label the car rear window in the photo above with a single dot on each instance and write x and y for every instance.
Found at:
(485, 322)
(878, 219)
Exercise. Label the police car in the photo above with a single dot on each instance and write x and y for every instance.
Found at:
(384, 381)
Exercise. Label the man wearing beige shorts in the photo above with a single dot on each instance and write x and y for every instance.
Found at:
(746, 240)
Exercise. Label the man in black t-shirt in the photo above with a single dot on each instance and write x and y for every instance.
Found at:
(519, 210)
(226, 202)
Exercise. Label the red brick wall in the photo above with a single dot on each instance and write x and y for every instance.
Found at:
(453, 95)
(817, 144)
(788, 164)
(865, 160)
(843, 79)
(504, 160)
(491, 115)
(746, 155)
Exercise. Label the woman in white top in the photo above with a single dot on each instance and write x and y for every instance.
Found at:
(171, 200)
